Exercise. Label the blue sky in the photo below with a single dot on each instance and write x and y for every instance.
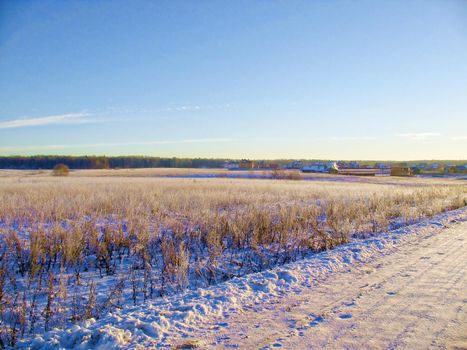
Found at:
(257, 79)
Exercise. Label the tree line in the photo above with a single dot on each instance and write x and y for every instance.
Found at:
(102, 162)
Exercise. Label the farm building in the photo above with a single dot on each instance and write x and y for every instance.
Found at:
(266, 166)
(360, 172)
(401, 171)
(246, 164)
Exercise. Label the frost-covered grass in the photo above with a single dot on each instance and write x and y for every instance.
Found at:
(157, 323)
(78, 248)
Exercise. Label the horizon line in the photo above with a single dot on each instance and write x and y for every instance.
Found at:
(234, 159)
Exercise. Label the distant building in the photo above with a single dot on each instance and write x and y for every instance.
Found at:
(246, 164)
(266, 166)
(293, 165)
(360, 172)
(382, 166)
(231, 165)
(422, 165)
(365, 166)
(273, 166)
(348, 165)
(401, 171)
(363, 170)
(318, 167)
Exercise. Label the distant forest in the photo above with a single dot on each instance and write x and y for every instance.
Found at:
(97, 162)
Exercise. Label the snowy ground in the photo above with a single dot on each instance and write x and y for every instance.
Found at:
(405, 289)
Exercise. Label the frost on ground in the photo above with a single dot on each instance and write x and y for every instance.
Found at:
(270, 295)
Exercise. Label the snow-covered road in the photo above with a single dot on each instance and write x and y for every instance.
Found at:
(414, 298)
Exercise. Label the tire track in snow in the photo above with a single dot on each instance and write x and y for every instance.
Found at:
(413, 299)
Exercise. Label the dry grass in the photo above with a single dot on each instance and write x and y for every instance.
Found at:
(137, 237)
(222, 173)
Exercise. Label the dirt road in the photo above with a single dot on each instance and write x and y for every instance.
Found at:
(414, 298)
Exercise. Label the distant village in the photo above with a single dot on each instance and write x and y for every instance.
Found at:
(354, 167)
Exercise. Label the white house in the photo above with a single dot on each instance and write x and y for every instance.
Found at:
(231, 165)
(318, 167)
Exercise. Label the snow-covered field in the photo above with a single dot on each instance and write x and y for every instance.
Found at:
(257, 310)
(80, 253)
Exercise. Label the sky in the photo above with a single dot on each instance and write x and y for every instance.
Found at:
(257, 79)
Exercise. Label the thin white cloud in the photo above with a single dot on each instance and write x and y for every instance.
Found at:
(70, 118)
(167, 142)
(118, 144)
(458, 138)
(347, 138)
(313, 139)
(185, 108)
(420, 136)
